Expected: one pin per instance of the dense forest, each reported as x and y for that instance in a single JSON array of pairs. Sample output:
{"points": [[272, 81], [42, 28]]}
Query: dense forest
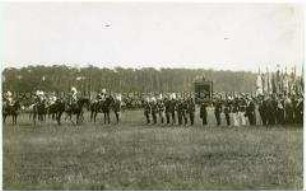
{"points": [[87, 79]]}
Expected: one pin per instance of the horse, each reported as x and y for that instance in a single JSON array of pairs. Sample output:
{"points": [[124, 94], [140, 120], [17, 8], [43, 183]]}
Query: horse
{"points": [[75, 109], [39, 111], [102, 106], [116, 107], [12, 110]]}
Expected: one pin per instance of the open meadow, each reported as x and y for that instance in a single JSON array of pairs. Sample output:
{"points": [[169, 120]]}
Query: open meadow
{"points": [[133, 155]]}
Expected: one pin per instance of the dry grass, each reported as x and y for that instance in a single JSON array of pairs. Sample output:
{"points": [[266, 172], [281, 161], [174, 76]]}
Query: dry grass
{"points": [[135, 156]]}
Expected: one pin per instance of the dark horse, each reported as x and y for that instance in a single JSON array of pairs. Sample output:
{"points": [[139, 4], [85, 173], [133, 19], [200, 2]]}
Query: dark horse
{"points": [[39, 111], [75, 109], [102, 106], [12, 110]]}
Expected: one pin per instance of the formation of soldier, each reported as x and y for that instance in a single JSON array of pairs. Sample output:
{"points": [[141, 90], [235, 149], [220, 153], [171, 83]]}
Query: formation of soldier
{"points": [[238, 110], [171, 109]]}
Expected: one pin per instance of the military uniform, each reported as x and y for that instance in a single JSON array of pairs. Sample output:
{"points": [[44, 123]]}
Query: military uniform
{"points": [[161, 110], [147, 111], [250, 112], [235, 111], [241, 111], [172, 109], [191, 111], [218, 110], [154, 110], [203, 112], [227, 111]]}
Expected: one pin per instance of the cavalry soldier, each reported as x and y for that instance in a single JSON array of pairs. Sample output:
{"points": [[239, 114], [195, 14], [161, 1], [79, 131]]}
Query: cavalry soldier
{"points": [[161, 108], [154, 109], [191, 110], [101, 96], [8, 98], [74, 95], [40, 96], [203, 111], [147, 110], [52, 98]]}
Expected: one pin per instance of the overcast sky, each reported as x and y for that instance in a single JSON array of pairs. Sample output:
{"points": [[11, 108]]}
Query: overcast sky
{"points": [[189, 35]]}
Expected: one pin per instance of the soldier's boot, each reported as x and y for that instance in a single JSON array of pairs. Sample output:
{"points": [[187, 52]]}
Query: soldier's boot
{"points": [[192, 119], [227, 119], [154, 118]]}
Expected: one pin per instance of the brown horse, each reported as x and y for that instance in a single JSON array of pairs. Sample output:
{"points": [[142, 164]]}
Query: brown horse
{"points": [[11, 110]]}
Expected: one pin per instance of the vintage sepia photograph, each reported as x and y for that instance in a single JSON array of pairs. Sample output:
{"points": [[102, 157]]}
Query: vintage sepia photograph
{"points": [[152, 95]]}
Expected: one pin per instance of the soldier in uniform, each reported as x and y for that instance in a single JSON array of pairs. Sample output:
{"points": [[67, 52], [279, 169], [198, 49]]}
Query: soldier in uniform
{"points": [[180, 110], [172, 108], [235, 111], [299, 110], [161, 109], [242, 110], [203, 111], [280, 110], [191, 110], [262, 109], [154, 109], [218, 109], [250, 111], [8, 98], [227, 110], [167, 109], [147, 110]]}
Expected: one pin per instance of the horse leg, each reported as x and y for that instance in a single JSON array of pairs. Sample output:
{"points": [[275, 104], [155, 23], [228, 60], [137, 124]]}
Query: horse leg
{"points": [[34, 118], [108, 118], [58, 119], [117, 116], [4, 117], [16, 116], [104, 117], [95, 116]]}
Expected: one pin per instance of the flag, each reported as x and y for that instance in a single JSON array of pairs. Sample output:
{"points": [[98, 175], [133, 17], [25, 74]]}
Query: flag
{"points": [[259, 84], [274, 83], [286, 82], [277, 80]]}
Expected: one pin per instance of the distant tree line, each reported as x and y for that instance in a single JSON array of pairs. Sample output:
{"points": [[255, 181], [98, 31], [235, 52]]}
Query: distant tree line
{"points": [[60, 78]]}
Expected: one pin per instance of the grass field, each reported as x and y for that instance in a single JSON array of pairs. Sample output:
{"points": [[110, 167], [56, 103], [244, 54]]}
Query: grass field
{"points": [[135, 156]]}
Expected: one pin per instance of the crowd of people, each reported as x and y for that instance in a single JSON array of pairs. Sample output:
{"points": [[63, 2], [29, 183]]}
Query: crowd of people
{"points": [[171, 109]]}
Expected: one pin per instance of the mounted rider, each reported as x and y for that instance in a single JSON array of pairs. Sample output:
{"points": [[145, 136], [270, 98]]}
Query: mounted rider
{"points": [[52, 98], [73, 97], [8, 98], [40, 96], [102, 96]]}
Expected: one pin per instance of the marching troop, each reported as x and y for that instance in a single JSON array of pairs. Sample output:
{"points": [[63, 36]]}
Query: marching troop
{"points": [[171, 109]]}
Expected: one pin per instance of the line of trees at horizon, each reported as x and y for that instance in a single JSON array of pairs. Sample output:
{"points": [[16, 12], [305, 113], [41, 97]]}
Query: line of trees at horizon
{"points": [[59, 78]]}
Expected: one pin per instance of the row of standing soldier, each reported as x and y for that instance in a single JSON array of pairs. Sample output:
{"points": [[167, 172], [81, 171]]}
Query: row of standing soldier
{"points": [[240, 110], [168, 109]]}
